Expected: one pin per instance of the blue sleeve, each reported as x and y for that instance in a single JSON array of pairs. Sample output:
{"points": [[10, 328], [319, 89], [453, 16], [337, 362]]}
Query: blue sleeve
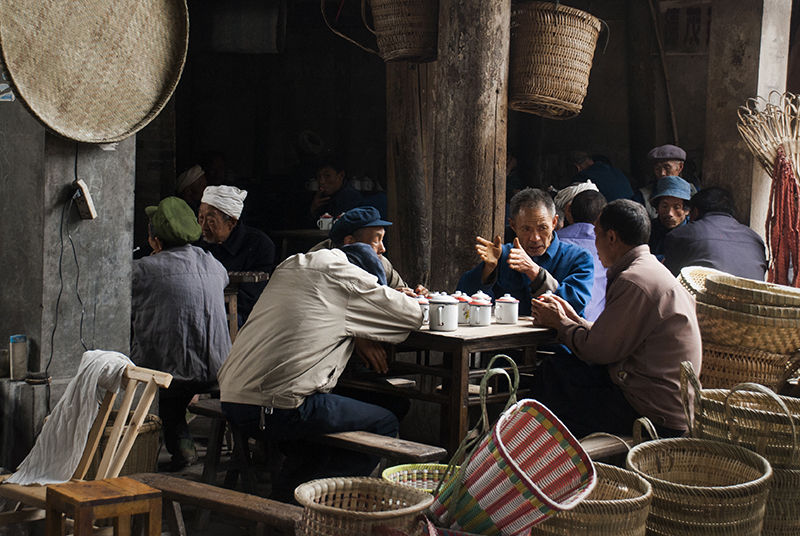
{"points": [[576, 288]]}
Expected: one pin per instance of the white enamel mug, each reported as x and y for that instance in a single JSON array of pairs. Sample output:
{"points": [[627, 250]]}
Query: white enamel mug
{"points": [[325, 222], [463, 307], [424, 304], [444, 313], [506, 310], [480, 313]]}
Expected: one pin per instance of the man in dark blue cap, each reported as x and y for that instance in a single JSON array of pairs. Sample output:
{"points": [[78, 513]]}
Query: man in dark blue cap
{"points": [[671, 202], [364, 225]]}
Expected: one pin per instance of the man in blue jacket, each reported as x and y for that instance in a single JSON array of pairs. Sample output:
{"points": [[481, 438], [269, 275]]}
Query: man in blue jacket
{"points": [[536, 262]]}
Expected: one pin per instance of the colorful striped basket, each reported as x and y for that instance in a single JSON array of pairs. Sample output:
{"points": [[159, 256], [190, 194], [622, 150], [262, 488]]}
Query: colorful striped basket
{"points": [[529, 467]]}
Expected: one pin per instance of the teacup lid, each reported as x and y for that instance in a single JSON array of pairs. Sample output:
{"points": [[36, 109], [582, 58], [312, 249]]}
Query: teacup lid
{"points": [[507, 298], [422, 300], [443, 298], [481, 295], [326, 215], [458, 295], [481, 303]]}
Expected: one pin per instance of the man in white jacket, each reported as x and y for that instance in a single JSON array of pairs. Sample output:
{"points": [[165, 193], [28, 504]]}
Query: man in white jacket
{"points": [[276, 382]]}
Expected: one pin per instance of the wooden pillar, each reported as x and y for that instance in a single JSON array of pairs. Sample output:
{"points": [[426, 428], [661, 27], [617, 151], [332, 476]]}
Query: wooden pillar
{"points": [[748, 57], [468, 194], [409, 142]]}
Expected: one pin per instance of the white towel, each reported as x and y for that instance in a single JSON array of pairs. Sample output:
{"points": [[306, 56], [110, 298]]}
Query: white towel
{"points": [[58, 449]]}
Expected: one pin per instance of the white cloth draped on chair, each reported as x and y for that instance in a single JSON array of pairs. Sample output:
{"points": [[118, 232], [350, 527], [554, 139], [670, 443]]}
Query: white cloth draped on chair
{"points": [[59, 447]]}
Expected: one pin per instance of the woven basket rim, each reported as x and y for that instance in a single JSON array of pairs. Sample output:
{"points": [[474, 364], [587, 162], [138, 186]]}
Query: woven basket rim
{"points": [[583, 16], [730, 285], [690, 275], [714, 312], [755, 309], [35, 95], [303, 494], [744, 351], [609, 471], [757, 461]]}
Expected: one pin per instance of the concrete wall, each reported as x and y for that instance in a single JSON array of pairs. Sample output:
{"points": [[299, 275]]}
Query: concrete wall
{"points": [[36, 170]]}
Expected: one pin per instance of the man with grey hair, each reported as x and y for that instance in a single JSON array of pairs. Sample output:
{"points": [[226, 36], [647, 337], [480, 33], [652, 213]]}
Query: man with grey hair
{"points": [[239, 248], [536, 262]]}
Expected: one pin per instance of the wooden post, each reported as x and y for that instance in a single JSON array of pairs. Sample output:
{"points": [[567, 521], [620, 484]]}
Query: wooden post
{"points": [[470, 121], [409, 140]]}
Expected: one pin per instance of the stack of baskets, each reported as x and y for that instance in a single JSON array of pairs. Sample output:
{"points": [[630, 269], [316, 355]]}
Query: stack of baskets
{"points": [[753, 417], [750, 328]]}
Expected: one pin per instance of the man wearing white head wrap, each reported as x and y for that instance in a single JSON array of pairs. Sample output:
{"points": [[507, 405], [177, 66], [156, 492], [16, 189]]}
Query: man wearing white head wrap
{"points": [[190, 186], [239, 248], [565, 196]]}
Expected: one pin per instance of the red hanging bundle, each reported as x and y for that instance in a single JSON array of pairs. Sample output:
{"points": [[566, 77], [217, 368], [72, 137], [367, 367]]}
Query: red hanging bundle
{"points": [[783, 224]]}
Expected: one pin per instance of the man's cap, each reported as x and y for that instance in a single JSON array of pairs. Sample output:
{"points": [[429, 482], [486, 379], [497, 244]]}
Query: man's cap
{"points": [[355, 219], [174, 221], [188, 177], [363, 256], [667, 152], [671, 187]]}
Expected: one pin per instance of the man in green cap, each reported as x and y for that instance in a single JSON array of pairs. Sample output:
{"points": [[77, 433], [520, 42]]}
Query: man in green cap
{"points": [[178, 323]]}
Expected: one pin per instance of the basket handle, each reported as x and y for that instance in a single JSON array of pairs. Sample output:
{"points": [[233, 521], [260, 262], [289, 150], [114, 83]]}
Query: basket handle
{"points": [[359, 45], [749, 386], [688, 377], [643, 423], [364, 16]]}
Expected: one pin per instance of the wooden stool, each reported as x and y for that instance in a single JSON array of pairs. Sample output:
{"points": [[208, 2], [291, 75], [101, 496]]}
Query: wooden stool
{"points": [[117, 498]]}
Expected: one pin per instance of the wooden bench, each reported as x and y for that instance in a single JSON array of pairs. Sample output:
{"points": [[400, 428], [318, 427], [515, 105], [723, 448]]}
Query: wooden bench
{"points": [[391, 448], [601, 447], [175, 492]]}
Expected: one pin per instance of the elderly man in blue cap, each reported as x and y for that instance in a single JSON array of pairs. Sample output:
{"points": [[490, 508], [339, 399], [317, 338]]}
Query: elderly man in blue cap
{"points": [[364, 225], [671, 202]]}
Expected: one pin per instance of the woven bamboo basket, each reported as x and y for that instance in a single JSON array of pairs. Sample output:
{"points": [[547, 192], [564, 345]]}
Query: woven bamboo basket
{"points": [[94, 71], [693, 278], [733, 328], [703, 487], [618, 506], [739, 289], [407, 30], [143, 457], [748, 308], [421, 476], [551, 53], [727, 366], [755, 420], [354, 506]]}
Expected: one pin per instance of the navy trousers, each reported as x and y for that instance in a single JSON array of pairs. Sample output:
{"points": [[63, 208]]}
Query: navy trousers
{"points": [[319, 414]]}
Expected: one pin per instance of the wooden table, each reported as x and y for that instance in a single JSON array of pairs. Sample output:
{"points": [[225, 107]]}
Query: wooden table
{"points": [[307, 238], [232, 293], [454, 373]]}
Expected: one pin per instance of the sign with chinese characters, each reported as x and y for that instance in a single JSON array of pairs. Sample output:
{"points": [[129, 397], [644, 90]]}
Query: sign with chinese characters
{"points": [[685, 26]]}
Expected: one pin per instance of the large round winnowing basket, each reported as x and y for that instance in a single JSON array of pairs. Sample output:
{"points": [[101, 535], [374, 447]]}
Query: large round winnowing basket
{"points": [[703, 487], [94, 71], [551, 53], [618, 506], [354, 506]]}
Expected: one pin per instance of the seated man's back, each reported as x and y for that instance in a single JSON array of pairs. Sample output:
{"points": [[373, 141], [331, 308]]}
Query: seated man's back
{"points": [[714, 239]]}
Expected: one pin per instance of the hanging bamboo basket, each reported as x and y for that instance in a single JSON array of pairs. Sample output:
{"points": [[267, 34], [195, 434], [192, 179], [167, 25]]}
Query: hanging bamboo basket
{"points": [[406, 30], [551, 53]]}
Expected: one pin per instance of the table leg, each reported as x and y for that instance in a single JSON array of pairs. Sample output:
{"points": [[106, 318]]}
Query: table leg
{"points": [[455, 417]]}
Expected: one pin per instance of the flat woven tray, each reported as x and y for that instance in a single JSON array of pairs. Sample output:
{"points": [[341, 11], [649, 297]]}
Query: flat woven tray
{"points": [[94, 71], [743, 290], [693, 278], [732, 328], [749, 308]]}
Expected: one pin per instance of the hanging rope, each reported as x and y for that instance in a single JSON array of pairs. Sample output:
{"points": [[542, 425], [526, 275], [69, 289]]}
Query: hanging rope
{"points": [[783, 223]]}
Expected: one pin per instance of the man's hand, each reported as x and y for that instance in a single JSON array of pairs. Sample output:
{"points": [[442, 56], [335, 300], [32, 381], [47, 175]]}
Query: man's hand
{"points": [[372, 354], [490, 253], [519, 260], [550, 311], [407, 291], [319, 200], [420, 290]]}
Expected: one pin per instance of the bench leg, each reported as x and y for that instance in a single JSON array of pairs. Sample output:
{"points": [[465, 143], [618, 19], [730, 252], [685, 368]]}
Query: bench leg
{"points": [[174, 515]]}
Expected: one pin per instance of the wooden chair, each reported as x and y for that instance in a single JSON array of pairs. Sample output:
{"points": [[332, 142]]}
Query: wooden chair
{"points": [[32, 499]]}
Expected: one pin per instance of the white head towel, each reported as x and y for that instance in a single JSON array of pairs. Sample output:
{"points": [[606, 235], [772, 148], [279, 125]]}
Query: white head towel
{"points": [[566, 195], [228, 199], [188, 177]]}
